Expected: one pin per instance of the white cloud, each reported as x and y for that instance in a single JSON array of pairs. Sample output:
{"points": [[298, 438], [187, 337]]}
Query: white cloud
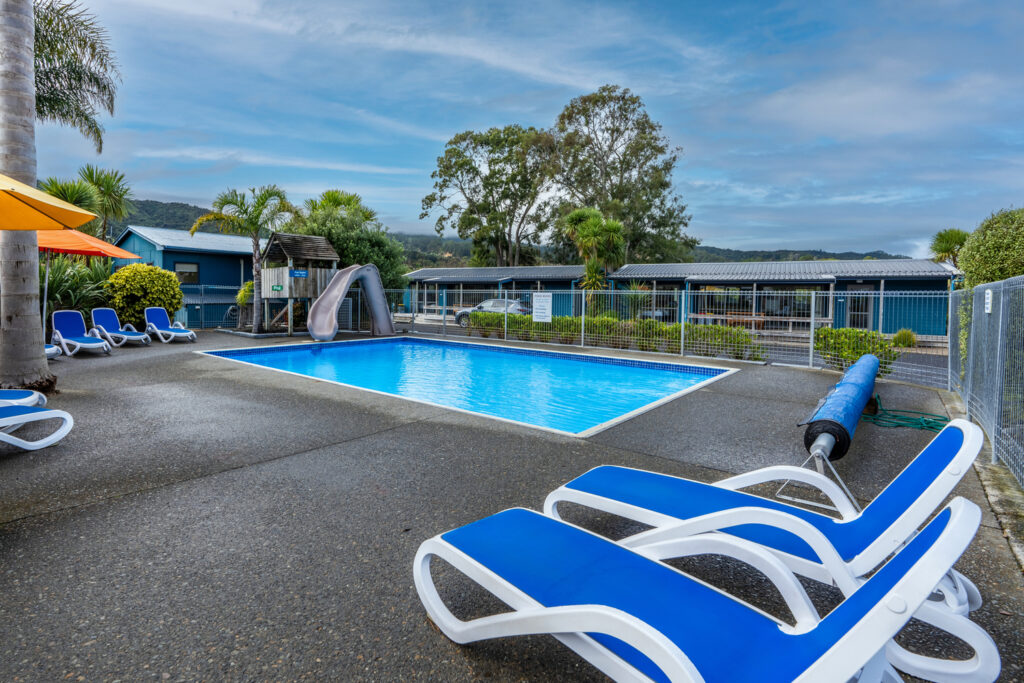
{"points": [[240, 156]]}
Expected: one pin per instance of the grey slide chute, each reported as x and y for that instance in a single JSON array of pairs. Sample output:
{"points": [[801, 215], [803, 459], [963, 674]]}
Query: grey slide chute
{"points": [[322, 322]]}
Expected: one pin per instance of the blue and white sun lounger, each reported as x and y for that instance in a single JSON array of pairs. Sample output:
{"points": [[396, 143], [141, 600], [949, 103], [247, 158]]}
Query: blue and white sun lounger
{"points": [[70, 335], [678, 507], [158, 323], [638, 619], [106, 325], [13, 417], [51, 351], [21, 397]]}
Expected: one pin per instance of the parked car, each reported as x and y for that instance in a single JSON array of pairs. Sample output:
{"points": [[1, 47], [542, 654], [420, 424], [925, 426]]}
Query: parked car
{"points": [[492, 306]]}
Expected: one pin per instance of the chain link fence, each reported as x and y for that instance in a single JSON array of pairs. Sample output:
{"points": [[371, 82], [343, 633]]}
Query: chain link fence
{"points": [[986, 364]]}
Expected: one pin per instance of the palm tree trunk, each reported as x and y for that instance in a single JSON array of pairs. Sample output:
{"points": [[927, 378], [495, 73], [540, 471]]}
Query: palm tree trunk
{"points": [[257, 280], [22, 362]]}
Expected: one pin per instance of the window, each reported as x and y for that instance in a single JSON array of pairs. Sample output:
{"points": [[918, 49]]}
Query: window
{"points": [[188, 273]]}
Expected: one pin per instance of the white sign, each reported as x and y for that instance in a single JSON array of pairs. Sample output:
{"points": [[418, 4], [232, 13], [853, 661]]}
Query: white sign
{"points": [[988, 300], [542, 307]]}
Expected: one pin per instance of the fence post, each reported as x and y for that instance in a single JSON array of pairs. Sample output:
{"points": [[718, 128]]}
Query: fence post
{"points": [[949, 341], [506, 315], [444, 312], [997, 413], [413, 305], [810, 346], [969, 367], [682, 323], [583, 318]]}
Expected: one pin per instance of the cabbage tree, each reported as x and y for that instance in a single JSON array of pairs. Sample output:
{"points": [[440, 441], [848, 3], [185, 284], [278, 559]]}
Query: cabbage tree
{"points": [[260, 212]]}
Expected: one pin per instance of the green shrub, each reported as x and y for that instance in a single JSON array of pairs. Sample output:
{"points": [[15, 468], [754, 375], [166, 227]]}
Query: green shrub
{"points": [[842, 347], [134, 288], [486, 324], [995, 250], [905, 339], [567, 329], [647, 334], [717, 340], [670, 337], [244, 296]]}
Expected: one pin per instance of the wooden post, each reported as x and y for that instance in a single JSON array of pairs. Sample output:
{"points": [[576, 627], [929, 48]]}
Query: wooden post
{"points": [[291, 301]]}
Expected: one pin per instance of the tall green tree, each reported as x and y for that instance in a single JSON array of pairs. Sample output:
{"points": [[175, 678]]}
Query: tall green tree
{"points": [[488, 186], [614, 157], [76, 75], [355, 232], [256, 214], [995, 250], [22, 362], [113, 193], [946, 245]]}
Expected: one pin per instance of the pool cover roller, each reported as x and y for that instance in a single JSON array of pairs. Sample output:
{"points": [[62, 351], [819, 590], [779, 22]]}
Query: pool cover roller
{"points": [[830, 429]]}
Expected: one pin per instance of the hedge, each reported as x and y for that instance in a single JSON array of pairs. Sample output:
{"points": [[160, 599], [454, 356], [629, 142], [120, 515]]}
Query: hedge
{"points": [[606, 330], [841, 347]]}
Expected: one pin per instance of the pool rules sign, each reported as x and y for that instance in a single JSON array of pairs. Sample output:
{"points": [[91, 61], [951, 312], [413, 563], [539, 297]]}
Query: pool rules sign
{"points": [[542, 307]]}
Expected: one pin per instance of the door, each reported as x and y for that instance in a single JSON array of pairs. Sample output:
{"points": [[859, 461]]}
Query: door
{"points": [[859, 307]]}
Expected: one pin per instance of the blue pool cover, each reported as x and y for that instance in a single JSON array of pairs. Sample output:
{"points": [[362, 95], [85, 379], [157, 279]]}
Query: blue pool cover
{"points": [[567, 392]]}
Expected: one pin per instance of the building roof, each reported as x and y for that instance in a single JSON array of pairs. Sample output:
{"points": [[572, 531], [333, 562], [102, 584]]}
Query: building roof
{"points": [[281, 246], [788, 271], [181, 240], [495, 275]]}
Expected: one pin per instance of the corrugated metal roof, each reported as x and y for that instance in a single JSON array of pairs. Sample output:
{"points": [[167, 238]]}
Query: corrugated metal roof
{"points": [[799, 271], [181, 240], [489, 275]]}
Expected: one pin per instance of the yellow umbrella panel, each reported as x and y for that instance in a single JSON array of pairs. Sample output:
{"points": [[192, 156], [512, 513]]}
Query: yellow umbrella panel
{"points": [[23, 207]]}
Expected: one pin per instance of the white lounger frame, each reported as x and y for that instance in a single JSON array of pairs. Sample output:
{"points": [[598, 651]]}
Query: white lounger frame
{"points": [[71, 347], [11, 423], [166, 336], [667, 527], [860, 654], [112, 337]]}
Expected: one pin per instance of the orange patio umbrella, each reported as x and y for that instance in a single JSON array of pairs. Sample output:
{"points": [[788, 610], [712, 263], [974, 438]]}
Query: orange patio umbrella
{"points": [[74, 242], [23, 207]]}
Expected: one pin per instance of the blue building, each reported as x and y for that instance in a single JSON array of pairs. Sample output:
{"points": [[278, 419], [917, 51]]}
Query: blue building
{"points": [[884, 295], [201, 259], [458, 287]]}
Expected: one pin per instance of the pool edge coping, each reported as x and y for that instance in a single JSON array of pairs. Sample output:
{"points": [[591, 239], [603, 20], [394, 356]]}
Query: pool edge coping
{"points": [[586, 433]]}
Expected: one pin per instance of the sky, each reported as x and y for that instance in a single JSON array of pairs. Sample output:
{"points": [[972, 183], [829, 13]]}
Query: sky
{"points": [[840, 126]]}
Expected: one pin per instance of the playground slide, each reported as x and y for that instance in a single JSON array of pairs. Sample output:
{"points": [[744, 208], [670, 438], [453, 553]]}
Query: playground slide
{"points": [[322, 322]]}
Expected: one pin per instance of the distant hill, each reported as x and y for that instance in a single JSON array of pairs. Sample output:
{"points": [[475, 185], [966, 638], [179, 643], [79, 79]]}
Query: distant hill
{"points": [[153, 214], [717, 255], [430, 251]]}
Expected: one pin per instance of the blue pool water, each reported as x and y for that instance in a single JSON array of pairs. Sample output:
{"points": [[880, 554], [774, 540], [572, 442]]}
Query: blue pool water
{"points": [[567, 392]]}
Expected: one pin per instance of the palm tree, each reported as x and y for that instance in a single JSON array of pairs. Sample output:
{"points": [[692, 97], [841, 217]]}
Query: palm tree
{"points": [[77, 192], [22, 362], [236, 213], [113, 193], [599, 241], [75, 71], [947, 243]]}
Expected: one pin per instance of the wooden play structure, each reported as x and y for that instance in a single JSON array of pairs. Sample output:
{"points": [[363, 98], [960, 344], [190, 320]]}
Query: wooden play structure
{"points": [[297, 268]]}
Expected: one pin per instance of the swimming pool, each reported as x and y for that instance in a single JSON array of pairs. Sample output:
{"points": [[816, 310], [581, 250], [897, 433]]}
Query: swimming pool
{"points": [[564, 392]]}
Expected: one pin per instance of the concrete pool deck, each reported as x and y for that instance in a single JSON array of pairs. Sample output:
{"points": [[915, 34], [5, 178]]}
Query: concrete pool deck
{"points": [[209, 520]]}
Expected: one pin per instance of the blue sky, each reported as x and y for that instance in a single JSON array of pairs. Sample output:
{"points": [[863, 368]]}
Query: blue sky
{"points": [[804, 125]]}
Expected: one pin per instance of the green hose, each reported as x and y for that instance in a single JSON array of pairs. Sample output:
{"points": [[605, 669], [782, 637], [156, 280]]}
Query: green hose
{"points": [[914, 419]]}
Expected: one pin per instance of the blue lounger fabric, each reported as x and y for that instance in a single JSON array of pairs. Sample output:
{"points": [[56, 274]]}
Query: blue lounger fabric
{"points": [[16, 394], [107, 318], [685, 499], [560, 565]]}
